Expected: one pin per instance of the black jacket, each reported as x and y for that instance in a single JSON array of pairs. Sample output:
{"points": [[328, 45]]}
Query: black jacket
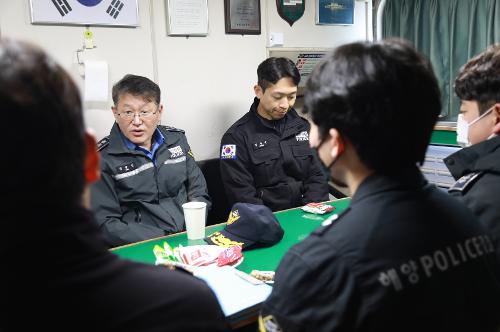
{"points": [[404, 256], [137, 199], [60, 276], [477, 169], [261, 164]]}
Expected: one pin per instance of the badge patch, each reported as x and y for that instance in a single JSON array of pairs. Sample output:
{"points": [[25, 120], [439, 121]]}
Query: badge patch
{"points": [[268, 324], [233, 216], [228, 151], [176, 152], [302, 136], [219, 239], [125, 168]]}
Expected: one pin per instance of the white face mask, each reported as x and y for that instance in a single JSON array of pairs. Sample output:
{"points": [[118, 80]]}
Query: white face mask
{"points": [[463, 128]]}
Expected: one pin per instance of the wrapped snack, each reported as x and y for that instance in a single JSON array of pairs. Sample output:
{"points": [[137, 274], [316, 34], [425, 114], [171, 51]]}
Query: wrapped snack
{"points": [[317, 208], [164, 253], [265, 276], [199, 255], [229, 256]]}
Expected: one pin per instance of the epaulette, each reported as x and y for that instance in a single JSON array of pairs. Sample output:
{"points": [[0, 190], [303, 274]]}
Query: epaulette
{"points": [[331, 220], [103, 143], [464, 183], [172, 129]]}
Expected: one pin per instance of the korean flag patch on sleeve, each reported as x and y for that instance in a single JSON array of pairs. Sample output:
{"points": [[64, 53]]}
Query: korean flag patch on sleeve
{"points": [[228, 151]]}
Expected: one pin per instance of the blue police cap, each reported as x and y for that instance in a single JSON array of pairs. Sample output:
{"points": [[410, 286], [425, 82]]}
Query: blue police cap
{"points": [[248, 225]]}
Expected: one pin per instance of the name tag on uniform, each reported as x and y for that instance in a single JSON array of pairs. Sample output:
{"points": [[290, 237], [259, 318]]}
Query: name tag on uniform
{"points": [[125, 168], [259, 145]]}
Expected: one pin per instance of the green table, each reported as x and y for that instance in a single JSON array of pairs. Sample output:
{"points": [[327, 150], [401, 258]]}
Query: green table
{"points": [[296, 223], [444, 135]]}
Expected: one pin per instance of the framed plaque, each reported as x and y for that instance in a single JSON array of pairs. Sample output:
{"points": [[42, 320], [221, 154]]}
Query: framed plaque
{"points": [[242, 17], [187, 17], [338, 12]]}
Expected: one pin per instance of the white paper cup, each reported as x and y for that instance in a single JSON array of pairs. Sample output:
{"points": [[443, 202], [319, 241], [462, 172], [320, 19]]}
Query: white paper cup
{"points": [[194, 216]]}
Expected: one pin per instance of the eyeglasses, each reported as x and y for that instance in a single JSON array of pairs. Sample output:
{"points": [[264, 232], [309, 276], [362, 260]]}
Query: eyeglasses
{"points": [[129, 115]]}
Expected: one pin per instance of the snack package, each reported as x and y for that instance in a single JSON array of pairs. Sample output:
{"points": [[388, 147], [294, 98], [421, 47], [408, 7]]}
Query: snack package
{"points": [[265, 276], [198, 255], [317, 208], [164, 253], [229, 256]]}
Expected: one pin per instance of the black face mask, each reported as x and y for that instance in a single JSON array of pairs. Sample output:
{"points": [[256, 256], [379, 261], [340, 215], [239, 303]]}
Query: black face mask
{"points": [[326, 169]]}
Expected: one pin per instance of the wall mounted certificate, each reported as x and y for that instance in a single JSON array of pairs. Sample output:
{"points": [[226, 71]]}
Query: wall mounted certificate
{"points": [[85, 12], [335, 12], [187, 17], [242, 17]]}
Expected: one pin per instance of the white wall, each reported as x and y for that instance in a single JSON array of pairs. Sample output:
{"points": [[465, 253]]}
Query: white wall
{"points": [[207, 82]]}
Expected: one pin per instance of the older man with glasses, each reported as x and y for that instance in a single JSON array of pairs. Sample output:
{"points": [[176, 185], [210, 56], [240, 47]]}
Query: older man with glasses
{"points": [[148, 170]]}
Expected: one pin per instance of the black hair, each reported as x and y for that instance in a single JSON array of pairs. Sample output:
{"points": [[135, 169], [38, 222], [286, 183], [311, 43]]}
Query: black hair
{"points": [[138, 86], [273, 69], [479, 79], [44, 135], [383, 97]]}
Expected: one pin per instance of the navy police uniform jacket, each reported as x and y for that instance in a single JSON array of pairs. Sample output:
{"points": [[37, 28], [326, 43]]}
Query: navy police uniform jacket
{"points": [[477, 171], [138, 199], [62, 277], [404, 256], [261, 164]]}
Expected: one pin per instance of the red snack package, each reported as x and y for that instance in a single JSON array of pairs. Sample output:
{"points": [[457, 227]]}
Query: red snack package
{"points": [[317, 208], [229, 256]]}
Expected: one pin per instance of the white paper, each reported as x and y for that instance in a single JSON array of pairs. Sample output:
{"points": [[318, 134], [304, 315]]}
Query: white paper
{"points": [[234, 294], [96, 81]]}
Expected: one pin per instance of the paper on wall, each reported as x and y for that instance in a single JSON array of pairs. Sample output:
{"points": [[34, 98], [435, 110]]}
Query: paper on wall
{"points": [[96, 81]]}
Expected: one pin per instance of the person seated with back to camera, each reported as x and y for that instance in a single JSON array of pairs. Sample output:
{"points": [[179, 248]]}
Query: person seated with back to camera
{"points": [[404, 256], [57, 271]]}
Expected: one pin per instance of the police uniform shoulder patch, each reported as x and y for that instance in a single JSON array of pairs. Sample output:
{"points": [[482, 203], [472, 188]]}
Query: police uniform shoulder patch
{"points": [[168, 128], [103, 143], [465, 182]]}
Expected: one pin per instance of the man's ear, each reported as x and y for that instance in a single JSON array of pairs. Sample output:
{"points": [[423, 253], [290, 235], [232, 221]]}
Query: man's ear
{"points": [[337, 142], [92, 159], [114, 110], [258, 91], [496, 114]]}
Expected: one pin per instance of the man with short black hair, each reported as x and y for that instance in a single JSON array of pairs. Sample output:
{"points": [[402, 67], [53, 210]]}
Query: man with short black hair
{"points": [[265, 155], [477, 167], [148, 170], [57, 272], [404, 256]]}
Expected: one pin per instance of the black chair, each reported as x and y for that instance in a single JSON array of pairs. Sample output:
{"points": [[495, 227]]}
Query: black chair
{"points": [[220, 206]]}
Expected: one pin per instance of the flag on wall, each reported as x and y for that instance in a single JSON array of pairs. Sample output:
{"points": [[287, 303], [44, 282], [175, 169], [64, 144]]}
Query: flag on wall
{"points": [[85, 12]]}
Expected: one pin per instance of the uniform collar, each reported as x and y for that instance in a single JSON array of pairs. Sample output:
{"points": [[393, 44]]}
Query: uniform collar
{"points": [[482, 156], [118, 143], [407, 179], [158, 140]]}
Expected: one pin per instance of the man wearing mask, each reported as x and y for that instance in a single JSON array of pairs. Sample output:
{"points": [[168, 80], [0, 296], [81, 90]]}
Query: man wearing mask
{"points": [[265, 155], [404, 256], [477, 167]]}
